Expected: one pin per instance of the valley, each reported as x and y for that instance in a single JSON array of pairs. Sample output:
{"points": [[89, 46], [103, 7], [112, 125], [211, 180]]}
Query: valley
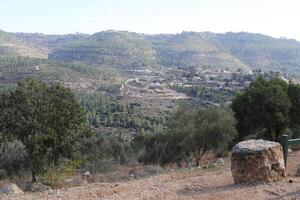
{"points": [[147, 103]]}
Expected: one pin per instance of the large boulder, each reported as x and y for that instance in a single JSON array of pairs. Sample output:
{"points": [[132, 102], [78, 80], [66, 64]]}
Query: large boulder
{"points": [[10, 188], [257, 161]]}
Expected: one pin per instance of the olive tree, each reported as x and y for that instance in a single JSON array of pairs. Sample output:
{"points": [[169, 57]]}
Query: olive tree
{"points": [[46, 119]]}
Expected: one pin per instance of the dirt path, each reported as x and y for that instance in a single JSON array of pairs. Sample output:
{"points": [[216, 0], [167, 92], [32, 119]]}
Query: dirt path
{"points": [[187, 184]]}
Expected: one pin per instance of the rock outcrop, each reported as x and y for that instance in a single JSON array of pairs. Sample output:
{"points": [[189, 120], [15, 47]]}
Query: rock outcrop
{"points": [[257, 161]]}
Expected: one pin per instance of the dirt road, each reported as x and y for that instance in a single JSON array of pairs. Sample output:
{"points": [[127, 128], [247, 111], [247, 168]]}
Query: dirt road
{"points": [[208, 184]]}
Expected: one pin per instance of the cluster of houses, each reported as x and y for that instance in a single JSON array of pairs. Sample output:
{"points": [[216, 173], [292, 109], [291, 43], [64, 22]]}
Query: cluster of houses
{"points": [[218, 82]]}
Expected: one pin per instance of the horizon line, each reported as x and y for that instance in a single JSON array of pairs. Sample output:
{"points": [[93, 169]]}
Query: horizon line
{"points": [[142, 33]]}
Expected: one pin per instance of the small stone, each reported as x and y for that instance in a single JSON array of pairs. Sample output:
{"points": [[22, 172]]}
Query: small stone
{"points": [[291, 181], [86, 175], [220, 161]]}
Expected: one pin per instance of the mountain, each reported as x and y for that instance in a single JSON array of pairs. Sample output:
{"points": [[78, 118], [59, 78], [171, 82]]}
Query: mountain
{"points": [[263, 52], [25, 55], [110, 48], [10, 45], [193, 49], [127, 50], [49, 42], [131, 50], [220, 51]]}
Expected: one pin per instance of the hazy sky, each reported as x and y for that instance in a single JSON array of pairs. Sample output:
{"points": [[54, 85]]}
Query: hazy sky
{"points": [[272, 17]]}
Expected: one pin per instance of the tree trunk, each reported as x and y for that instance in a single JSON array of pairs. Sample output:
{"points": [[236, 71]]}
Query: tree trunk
{"points": [[33, 176], [199, 157]]}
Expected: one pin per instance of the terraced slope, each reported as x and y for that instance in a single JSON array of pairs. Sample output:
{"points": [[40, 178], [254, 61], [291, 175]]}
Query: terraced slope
{"points": [[262, 52], [74, 76], [193, 49], [132, 50]]}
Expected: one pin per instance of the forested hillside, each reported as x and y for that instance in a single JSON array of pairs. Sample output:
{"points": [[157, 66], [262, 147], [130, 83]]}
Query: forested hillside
{"points": [[49, 41], [132, 50], [75, 76], [127, 50], [263, 52], [115, 49], [193, 49], [12, 46]]}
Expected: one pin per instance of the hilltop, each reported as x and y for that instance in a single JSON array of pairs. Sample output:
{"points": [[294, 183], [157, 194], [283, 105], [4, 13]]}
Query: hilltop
{"points": [[123, 49]]}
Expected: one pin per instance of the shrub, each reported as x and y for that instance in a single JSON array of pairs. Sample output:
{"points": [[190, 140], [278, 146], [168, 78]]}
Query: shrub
{"points": [[12, 157], [101, 165], [55, 176], [190, 135]]}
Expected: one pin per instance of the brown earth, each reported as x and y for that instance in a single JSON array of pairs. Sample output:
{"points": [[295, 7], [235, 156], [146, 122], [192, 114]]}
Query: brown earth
{"points": [[207, 184]]}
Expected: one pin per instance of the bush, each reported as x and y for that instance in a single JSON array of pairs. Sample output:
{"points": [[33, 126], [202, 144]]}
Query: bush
{"points": [[55, 176], [13, 157], [190, 135], [3, 174], [101, 165]]}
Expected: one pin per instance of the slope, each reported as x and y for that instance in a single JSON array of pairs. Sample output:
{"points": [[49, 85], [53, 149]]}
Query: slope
{"points": [[12, 46], [126, 50], [74, 76], [193, 49], [109, 48], [262, 52]]}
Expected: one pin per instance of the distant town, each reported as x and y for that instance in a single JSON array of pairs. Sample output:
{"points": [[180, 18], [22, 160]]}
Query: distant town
{"points": [[205, 86]]}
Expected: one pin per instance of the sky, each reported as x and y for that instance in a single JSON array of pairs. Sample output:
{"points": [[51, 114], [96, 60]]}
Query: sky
{"points": [[277, 18]]}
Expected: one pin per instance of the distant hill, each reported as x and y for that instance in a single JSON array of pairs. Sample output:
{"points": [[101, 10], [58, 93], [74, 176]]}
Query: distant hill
{"points": [[193, 49], [132, 50], [49, 42], [10, 45], [263, 52], [110, 48], [74, 76]]}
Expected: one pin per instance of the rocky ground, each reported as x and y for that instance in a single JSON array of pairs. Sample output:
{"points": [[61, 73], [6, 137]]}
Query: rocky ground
{"points": [[214, 183]]}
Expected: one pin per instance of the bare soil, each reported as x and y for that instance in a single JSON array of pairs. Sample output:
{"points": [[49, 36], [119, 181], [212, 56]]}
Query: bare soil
{"points": [[207, 184]]}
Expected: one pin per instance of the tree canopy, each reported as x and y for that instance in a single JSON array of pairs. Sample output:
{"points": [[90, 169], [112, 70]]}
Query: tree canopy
{"points": [[190, 135], [46, 119], [267, 108]]}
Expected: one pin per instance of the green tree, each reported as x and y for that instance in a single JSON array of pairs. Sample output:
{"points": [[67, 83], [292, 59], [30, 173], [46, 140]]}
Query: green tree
{"points": [[46, 119], [214, 130], [190, 135], [294, 96], [263, 109]]}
